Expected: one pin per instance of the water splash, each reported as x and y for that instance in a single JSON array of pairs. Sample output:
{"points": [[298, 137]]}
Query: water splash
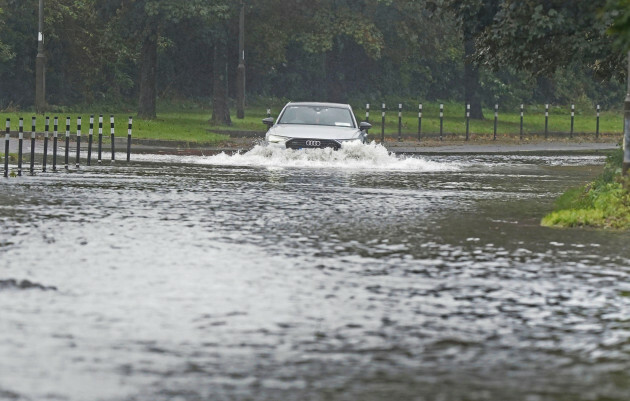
{"points": [[358, 156]]}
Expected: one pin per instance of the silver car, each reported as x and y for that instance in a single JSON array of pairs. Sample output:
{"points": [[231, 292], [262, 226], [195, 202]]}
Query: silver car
{"points": [[315, 125]]}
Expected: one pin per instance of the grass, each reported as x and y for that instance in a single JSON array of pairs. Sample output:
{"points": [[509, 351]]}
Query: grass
{"points": [[508, 122], [191, 123], [12, 157], [604, 203], [180, 126]]}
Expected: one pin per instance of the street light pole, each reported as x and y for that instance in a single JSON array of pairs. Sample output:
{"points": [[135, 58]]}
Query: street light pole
{"points": [[626, 126], [40, 65], [240, 73]]}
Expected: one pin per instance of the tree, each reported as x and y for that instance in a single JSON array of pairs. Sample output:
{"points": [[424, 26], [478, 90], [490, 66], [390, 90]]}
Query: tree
{"points": [[147, 103], [5, 51], [220, 106], [73, 46], [111, 51], [156, 16], [619, 12], [328, 27], [474, 16], [425, 49], [325, 29], [542, 36]]}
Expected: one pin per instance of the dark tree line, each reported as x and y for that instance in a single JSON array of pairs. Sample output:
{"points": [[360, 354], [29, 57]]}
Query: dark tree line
{"points": [[478, 51]]}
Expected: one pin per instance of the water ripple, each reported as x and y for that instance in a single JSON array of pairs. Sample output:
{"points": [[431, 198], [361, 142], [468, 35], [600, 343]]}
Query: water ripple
{"points": [[227, 278]]}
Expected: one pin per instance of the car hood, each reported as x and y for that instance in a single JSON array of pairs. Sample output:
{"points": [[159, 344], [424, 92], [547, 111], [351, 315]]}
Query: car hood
{"points": [[314, 131]]}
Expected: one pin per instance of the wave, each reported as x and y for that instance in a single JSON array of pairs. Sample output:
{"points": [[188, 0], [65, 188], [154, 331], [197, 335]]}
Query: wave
{"points": [[371, 156]]}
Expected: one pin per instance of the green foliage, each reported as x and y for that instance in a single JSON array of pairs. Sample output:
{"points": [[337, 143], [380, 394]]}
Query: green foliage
{"points": [[542, 36], [612, 169], [573, 198], [321, 49], [619, 11], [5, 51], [608, 206], [603, 203]]}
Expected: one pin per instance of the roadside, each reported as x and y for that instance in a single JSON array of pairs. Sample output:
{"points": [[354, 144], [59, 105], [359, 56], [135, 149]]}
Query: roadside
{"points": [[188, 126], [497, 148], [242, 143], [602, 203]]}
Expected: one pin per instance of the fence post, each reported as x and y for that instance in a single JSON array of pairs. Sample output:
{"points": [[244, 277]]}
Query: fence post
{"points": [[597, 124], [46, 129], [546, 120], [111, 122], [441, 121], [399, 122], [7, 138], [419, 121], [32, 161], [67, 151], [496, 120], [55, 135], [90, 139], [129, 138], [78, 161], [521, 132], [367, 116], [20, 140], [100, 139], [572, 119], [467, 120], [383, 123]]}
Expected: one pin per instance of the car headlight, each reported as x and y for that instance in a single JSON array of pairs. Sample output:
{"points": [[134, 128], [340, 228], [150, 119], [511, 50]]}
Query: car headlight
{"points": [[276, 138]]}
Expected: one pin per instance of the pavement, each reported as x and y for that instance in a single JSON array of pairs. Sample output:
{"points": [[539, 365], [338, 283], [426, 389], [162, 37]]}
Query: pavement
{"points": [[240, 144], [501, 148]]}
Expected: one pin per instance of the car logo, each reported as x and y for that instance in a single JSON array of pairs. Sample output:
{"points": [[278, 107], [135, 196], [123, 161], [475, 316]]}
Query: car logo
{"points": [[313, 143]]}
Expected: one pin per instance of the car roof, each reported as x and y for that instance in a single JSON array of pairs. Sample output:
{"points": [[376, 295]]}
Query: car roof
{"points": [[319, 104]]}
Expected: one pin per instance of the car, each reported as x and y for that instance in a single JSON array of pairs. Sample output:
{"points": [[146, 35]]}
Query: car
{"points": [[305, 125]]}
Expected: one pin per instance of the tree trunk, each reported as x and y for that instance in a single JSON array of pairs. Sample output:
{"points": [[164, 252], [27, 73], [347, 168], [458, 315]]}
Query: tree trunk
{"points": [[220, 107], [148, 75], [335, 80], [472, 87]]}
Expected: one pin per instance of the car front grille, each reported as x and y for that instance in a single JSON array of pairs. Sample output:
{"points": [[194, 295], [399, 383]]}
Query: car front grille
{"points": [[299, 143]]}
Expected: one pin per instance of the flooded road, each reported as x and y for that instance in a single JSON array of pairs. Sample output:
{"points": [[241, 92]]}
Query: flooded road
{"points": [[309, 276]]}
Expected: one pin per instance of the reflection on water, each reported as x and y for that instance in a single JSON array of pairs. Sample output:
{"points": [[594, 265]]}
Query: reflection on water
{"points": [[366, 277]]}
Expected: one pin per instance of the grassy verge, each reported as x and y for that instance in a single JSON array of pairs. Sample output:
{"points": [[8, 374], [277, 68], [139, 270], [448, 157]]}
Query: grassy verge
{"points": [[180, 126], [508, 123], [12, 157], [604, 203], [611, 122], [189, 122]]}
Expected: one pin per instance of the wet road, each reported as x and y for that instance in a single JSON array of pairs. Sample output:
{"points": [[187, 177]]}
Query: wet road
{"points": [[309, 276]]}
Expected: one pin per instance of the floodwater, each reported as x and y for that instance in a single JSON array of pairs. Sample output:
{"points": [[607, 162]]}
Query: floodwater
{"points": [[309, 276]]}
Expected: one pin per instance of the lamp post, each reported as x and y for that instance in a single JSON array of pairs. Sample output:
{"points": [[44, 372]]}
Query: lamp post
{"points": [[40, 65], [240, 73], [626, 127]]}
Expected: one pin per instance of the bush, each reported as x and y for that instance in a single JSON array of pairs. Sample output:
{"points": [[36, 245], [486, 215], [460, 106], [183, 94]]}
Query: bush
{"points": [[602, 203]]}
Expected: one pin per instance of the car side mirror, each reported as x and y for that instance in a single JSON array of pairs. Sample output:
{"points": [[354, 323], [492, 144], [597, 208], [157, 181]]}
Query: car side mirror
{"points": [[268, 121], [365, 126]]}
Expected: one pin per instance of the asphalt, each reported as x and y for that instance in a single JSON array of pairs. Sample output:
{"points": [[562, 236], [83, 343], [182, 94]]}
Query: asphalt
{"points": [[406, 147], [501, 148]]}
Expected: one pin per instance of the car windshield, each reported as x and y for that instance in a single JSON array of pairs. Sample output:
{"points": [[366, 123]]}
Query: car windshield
{"points": [[317, 115]]}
